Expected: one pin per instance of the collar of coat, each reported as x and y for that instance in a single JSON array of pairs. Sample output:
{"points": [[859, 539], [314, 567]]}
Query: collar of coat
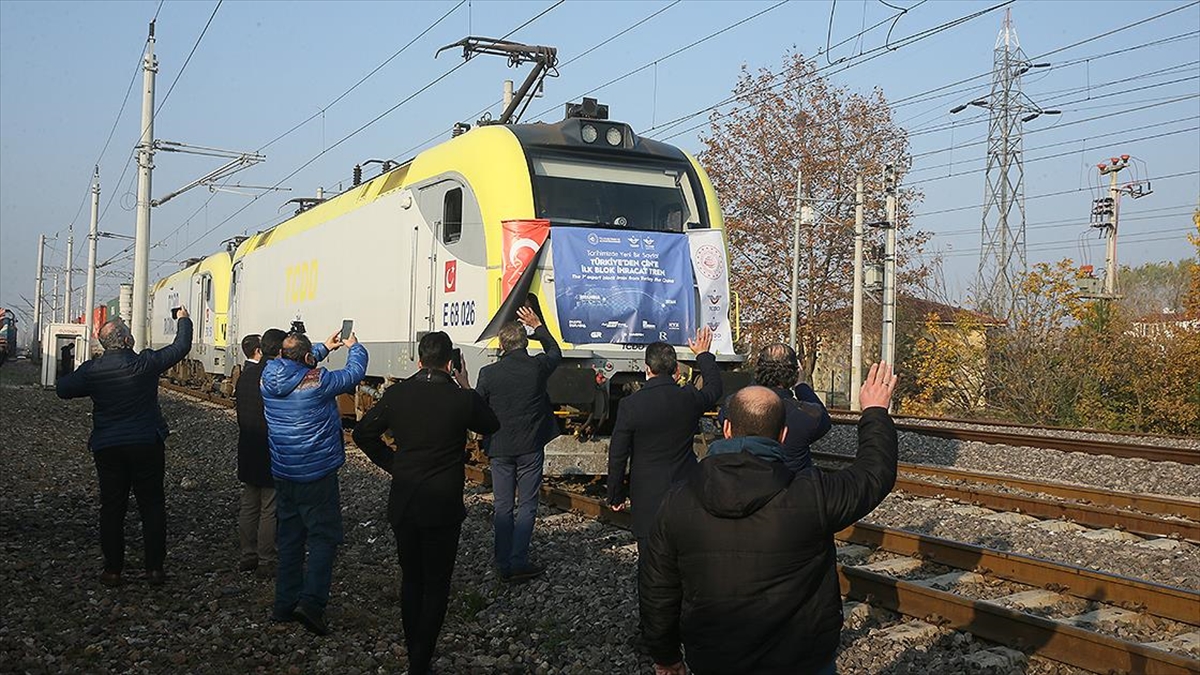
{"points": [[432, 375], [660, 380]]}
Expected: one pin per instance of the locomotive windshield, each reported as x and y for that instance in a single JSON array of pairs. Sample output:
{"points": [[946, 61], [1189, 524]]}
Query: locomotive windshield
{"points": [[631, 196]]}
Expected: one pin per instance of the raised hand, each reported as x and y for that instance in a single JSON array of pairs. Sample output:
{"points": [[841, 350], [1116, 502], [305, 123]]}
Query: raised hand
{"points": [[528, 317], [879, 387], [334, 341], [350, 341], [702, 342]]}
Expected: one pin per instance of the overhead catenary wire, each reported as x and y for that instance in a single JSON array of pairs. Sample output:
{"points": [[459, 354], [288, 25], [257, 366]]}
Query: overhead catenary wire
{"points": [[365, 126]]}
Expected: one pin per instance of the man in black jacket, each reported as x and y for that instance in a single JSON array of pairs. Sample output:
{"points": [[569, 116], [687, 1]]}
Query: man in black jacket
{"points": [[741, 567], [128, 431], [428, 416], [807, 420], [515, 388], [256, 512], [654, 431]]}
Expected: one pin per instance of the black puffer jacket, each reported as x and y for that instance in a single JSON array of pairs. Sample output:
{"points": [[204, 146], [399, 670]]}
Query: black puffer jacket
{"points": [[254, 455], [124, 390], [741, 565]]}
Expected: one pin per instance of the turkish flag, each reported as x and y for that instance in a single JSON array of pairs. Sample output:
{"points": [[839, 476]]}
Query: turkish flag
{"points": [[450, 278], [521, 242]]}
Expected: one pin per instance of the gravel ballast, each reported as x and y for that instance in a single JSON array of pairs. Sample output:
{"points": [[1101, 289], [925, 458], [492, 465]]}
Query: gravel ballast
{"points": [[1102, 471], [209, 618]]}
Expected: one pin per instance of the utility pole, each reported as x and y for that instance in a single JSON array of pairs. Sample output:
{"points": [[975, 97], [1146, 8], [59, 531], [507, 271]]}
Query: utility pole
{"points": [[796, 259], [856, 339], [1002, 257], [1106, 212], [90, 294], [141, 250], [70, 274], [37, 297], [888, 341], [54, 306]]}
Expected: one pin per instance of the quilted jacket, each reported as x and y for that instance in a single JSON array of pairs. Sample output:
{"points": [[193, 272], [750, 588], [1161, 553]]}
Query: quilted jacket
{"points": [[304, 428]]}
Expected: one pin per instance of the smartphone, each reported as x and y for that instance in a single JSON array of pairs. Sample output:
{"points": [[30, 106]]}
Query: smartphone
{"points": [[456, 360], [347, 328], [175, 312]]}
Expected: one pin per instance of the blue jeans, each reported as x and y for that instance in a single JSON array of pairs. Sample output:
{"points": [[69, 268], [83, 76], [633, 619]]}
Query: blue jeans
{"points": [[519, 477], [309, 515]]}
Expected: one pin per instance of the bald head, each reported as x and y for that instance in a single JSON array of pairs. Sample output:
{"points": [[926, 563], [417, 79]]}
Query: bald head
{"points": [[754, 411], [115, 334], [297, 347]]}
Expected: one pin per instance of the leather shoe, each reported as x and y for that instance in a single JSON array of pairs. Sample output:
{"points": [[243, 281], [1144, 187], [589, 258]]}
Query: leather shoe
{"points": [[248, 565], [531, 571], [312, 619], [156, 577], [110, 579]]}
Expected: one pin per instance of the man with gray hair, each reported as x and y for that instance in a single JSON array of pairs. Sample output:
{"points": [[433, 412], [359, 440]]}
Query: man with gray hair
{"points": [[128, 431], [515, 388]]}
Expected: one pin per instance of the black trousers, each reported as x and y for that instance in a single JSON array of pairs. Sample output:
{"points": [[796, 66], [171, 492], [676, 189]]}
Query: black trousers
{"points": [[427, 562], [138, 468]]}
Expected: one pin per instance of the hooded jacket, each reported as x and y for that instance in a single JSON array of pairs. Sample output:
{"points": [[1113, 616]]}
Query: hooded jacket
{"points": [[124, 390], [304, 428], [741, 566]]}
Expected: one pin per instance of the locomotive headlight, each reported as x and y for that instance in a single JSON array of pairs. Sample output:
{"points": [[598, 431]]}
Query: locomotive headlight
{"points": [[589, 133], [613, 136]]}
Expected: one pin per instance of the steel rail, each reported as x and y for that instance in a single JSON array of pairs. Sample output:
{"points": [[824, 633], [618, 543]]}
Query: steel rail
{"points": [[1168, 602], [1048, 638], [1052, 639], [916, 419], [1149, 449]]}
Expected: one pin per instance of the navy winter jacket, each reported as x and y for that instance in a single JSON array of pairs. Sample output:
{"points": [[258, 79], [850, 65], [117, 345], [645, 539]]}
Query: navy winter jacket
{"points": [[124, 390], [304, 429]]}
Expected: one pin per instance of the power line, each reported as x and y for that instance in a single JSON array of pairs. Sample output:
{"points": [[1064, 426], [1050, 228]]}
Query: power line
{"points": [[186, 61], [1065, 222], [364, 78], [445, 130], [664, 127], [1052, 156], [366, 125], [1052, 194]]}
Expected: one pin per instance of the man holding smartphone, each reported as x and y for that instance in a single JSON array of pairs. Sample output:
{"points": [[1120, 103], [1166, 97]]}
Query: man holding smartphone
{"points": [[515, 387], [127, 441]]}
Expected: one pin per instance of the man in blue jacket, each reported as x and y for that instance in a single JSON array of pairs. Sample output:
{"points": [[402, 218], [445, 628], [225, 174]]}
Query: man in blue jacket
{"points": [[128, 431], [304, 432]]}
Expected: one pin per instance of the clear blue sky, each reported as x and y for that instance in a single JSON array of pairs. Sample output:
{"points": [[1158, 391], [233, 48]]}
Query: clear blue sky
{"points": [[264, 67]]}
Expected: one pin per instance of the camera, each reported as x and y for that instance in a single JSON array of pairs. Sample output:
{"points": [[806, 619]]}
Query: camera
{"points": [[298, 327]]}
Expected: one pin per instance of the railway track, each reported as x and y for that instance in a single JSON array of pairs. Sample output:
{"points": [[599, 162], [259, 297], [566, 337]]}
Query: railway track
{"points": [[1152, 447], [927, 578], [1148, 515], [1075, 640]]}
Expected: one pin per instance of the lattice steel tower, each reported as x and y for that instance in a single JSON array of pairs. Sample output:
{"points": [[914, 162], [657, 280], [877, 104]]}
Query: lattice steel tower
{"points": [[1002, 258]]}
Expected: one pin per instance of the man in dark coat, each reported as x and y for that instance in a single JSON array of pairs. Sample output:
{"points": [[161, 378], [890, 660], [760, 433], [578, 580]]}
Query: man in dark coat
{"points": [[741, 566], [515, 388], [428, 416], [256, 512], [778, 369], [655, 428], [128, 432]]}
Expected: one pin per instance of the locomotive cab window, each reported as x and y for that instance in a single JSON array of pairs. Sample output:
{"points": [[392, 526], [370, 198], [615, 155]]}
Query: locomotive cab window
{"points": [[576, 191], [452, 216]]}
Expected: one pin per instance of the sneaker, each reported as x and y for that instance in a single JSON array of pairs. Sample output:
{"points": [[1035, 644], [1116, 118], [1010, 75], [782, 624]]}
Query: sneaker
{"points": [[530, 571], [312, 619]]}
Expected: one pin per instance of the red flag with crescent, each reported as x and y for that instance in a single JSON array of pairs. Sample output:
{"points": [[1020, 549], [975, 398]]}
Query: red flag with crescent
{"points": [[521, 241]]}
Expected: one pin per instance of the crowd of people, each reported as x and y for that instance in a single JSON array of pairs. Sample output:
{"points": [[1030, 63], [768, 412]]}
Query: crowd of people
{"points": [[736, 566]]}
